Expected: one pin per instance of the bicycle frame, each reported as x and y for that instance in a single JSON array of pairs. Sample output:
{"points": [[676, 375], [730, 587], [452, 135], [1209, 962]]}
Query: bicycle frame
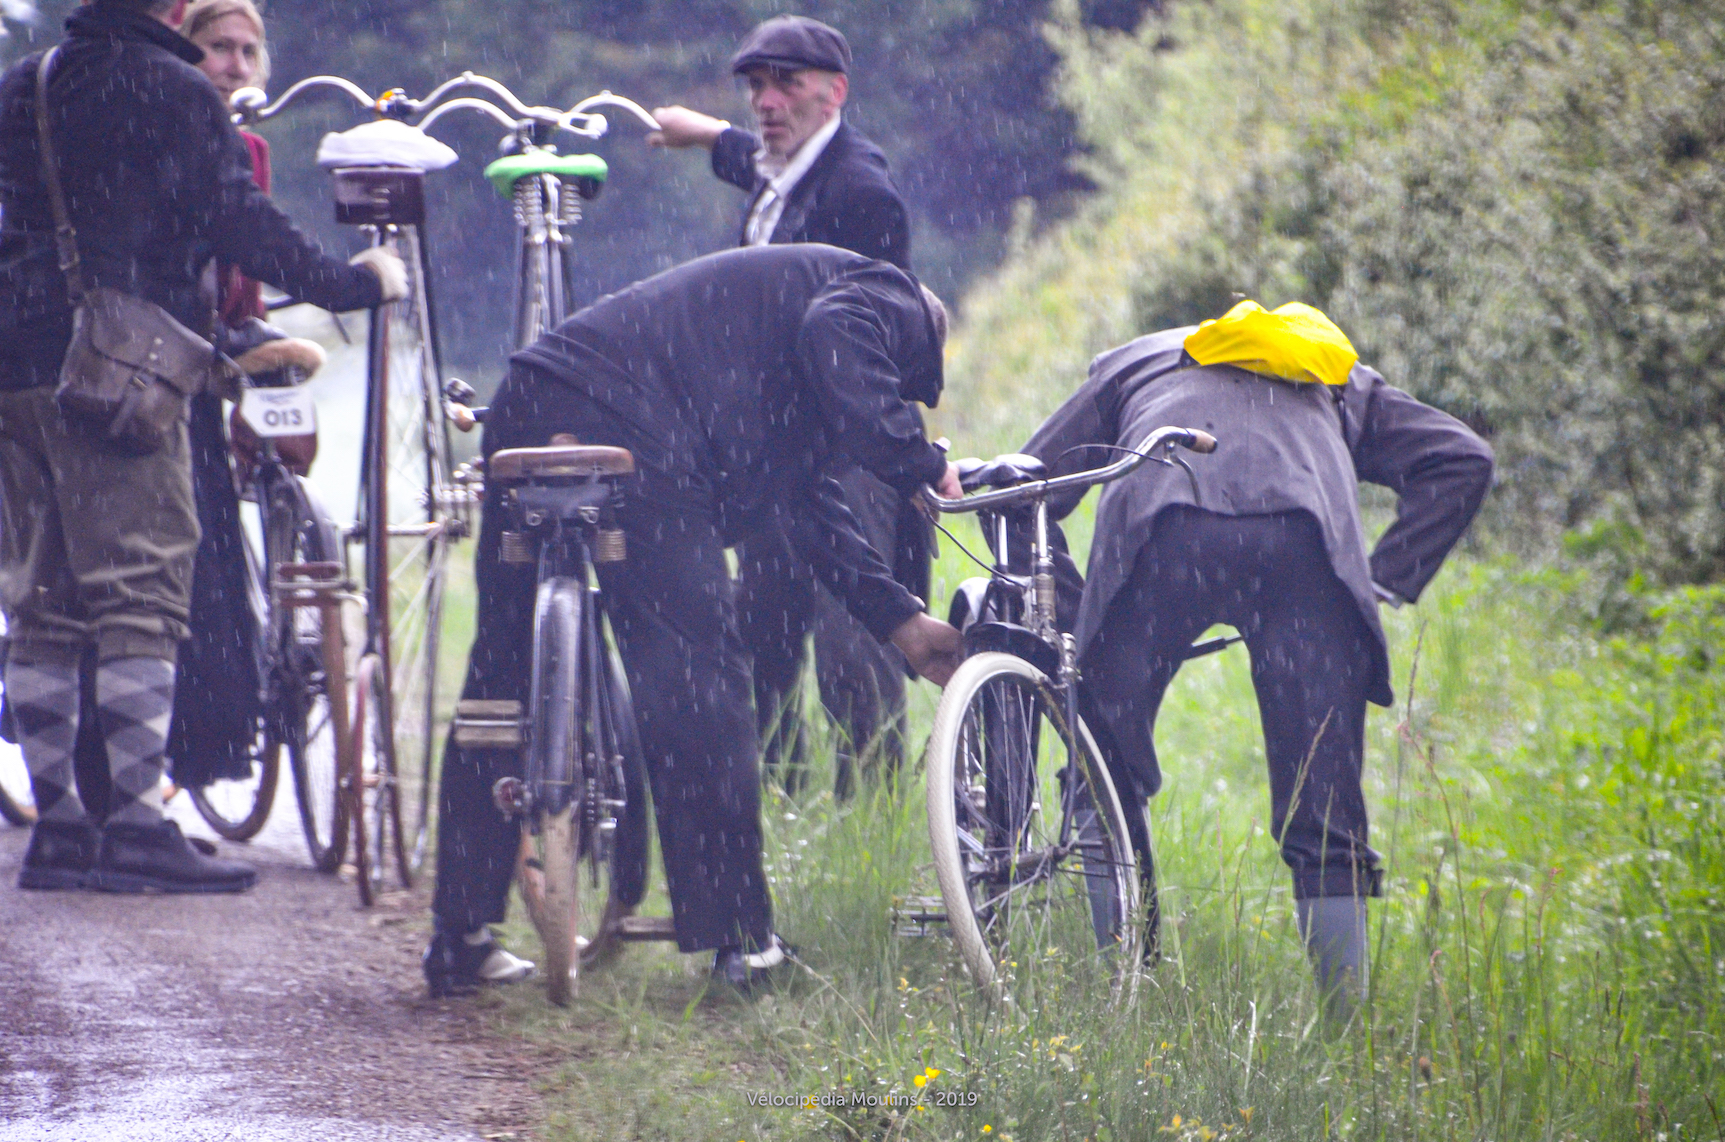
{"points": [[573, 528], [1037, 594]]}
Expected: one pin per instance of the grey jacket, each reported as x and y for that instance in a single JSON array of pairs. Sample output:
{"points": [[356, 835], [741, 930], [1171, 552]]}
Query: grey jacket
{"points": [[1283, 447]]}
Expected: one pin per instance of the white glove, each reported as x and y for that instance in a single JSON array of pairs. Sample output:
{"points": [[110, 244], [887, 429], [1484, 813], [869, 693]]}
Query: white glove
{"points": [[387, 265]]}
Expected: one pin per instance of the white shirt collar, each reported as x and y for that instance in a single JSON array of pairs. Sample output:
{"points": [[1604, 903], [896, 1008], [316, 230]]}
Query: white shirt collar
{"points": [[770, 203]]}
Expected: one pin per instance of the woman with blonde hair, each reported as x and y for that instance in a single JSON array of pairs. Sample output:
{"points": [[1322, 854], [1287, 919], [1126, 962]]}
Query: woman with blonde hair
{"points": [[236, 55]]}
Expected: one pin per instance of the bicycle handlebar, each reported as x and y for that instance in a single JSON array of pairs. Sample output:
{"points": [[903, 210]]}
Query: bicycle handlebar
{"points": [[251, 105], [469, 103], [1169, 437]]}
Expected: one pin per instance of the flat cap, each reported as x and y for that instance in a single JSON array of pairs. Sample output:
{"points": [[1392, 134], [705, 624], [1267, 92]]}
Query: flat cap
{"points": [[793, 42]]}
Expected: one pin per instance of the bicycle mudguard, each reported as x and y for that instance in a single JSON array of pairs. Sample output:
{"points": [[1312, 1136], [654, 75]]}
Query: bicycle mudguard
{"points": [[586, 171], [1014, 640]]}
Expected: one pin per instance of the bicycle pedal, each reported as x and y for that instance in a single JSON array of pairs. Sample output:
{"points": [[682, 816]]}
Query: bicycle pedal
{"points": [[643, 928], [489, 723], [915, 915]]}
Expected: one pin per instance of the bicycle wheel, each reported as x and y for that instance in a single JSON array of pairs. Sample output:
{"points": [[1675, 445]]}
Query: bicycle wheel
{"points": [[296, 530], [554, 759], [1030, 844], [17, 803], [371, 801], [237, 808], [618, 852], [411, 516]]}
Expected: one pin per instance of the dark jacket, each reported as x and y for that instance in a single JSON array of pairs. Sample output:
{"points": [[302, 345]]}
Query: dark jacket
{"points": [[157, 180], [743, 378], [1283, 447], [845, 199]]}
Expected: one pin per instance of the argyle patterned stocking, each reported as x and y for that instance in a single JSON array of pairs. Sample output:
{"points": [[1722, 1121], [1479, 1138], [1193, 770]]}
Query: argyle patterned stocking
{"points": [[134, 701], [44, 701]]}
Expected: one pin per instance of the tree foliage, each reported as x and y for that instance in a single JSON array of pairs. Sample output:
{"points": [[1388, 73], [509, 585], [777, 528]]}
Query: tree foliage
{"points": [[1509, 207]]}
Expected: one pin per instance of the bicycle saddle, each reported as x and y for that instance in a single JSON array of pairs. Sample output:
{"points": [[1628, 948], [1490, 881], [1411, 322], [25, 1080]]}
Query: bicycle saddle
{"points": [[586, 171], [564, 460], [1005, 471]]}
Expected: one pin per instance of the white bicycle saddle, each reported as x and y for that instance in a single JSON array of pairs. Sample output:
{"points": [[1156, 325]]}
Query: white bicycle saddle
{"points": [[384, 143]]}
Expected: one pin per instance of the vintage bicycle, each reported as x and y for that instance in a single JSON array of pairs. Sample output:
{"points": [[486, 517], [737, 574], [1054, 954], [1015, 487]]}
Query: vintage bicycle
{"points": [[413, 504], [1033, 848], [290, 526], [582, 804]]}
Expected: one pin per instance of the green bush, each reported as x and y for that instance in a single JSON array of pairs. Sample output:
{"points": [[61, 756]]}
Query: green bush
{"points": [[1510, 209]]}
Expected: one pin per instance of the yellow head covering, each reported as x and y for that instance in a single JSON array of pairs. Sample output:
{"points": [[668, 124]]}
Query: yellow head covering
{"points": [[1295, 343]]}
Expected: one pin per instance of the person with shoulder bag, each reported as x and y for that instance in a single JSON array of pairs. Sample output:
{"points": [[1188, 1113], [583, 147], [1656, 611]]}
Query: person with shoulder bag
{"points": [[121, 177]]}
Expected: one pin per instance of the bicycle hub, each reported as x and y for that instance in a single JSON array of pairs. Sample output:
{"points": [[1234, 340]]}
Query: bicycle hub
{"points": [[512, 796]]}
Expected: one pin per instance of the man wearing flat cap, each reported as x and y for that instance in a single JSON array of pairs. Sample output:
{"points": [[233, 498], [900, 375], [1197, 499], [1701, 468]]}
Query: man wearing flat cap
{"points": [[813, 178]]}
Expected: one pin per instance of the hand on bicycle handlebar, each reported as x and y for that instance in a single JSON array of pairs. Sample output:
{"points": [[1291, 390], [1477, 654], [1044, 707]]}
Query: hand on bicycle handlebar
{"points": [[949, 487], [681, 127], [934, 649], [387, 265]]}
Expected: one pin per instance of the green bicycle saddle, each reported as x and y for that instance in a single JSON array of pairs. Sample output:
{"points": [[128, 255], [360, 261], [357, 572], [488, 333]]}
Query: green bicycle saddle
{"points": [[588, 171]]}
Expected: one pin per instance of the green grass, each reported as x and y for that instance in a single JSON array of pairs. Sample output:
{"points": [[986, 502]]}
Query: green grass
{"points": [[1549, 958]]}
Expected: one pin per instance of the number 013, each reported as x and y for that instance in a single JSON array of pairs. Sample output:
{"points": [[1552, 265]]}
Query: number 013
{"points": [[280, 412]]}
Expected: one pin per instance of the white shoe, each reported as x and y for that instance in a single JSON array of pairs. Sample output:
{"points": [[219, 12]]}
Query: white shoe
{"points": [[772, 957], [503, 966]]}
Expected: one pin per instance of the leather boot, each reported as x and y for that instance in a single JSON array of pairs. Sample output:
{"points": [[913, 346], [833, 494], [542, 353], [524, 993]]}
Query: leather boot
{"points": [[1334, 931], [60, 855], [159, 858]]}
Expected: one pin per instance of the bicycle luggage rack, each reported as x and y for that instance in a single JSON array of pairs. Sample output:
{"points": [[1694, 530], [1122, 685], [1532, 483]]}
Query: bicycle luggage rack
{"points": [[322, 586]]}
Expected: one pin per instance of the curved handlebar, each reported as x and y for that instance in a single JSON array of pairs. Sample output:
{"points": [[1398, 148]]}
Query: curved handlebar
{"points": [[469, 104], [1166, 438], [251, 105], [607, 99]]}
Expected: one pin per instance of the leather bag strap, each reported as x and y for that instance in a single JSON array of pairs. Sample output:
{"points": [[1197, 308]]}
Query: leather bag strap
{"points": [[65, 236]]}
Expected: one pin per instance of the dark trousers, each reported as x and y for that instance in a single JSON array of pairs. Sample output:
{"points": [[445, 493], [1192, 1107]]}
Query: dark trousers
{"points": [[779, 605], [217, 686], [1269, 577], [671, 609]]}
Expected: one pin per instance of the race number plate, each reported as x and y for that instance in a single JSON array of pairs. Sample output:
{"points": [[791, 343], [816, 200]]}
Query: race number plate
{"points": [[280, 412]]}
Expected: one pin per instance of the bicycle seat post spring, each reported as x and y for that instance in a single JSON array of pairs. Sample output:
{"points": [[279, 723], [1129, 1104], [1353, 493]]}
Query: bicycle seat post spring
{"points": [[530, 208], [610, 546], [569, 204]]}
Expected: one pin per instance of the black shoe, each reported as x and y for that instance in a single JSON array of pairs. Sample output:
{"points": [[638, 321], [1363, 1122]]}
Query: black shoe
{"points": [[159, 858], [453, 966], [60, 855], [746, 971]]}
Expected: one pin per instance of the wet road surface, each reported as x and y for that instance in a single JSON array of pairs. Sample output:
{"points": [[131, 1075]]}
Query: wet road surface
{"points": [[287, 1013]]}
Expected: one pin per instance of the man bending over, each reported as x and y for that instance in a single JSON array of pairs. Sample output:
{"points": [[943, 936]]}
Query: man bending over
{"points": [[738, 381]]}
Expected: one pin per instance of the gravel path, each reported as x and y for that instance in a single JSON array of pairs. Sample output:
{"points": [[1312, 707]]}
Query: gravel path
{"points": [[287, 1013]]}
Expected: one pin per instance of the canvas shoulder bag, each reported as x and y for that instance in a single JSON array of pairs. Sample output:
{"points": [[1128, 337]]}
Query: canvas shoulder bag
{"points": [[130, 367]]}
